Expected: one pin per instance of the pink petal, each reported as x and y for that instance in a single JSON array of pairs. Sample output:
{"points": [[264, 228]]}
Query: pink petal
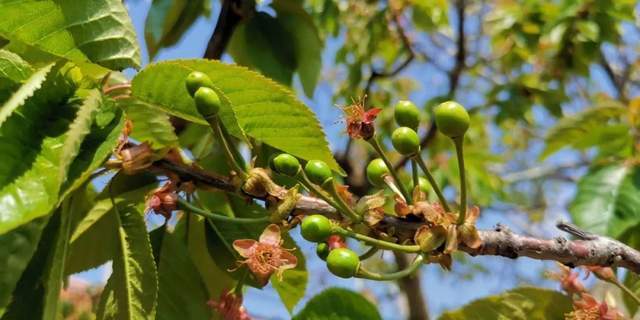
{"points": [[271, 235], [289, 261], [244, 246]]}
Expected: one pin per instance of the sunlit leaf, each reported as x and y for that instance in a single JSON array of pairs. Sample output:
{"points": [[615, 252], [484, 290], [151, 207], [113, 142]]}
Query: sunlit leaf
{"points": [[98, 31]]}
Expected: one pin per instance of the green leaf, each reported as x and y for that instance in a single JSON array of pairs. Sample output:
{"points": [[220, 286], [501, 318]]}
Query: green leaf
{"points": [[152, 126], [123, 189], [54, 271], [167, 21], [576, 131], [264, 110], [13, 67], [263, 43], [132, 289], [33, 141], [338, 304], [28, 297], [215, 279], [178, 275], [99, 31], [525, 303], [607, 201], [16, 249], [307, 43], [96, 147], [292, 287], [21, 95]]}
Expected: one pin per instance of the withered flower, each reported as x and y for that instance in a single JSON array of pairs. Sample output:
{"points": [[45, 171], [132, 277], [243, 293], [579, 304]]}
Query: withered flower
{"points": [[467, 232], [602, 273], [266, 256], [163, 200], [229, 306], [588, 308], [360, 121], [569, 281], [136, 158]]}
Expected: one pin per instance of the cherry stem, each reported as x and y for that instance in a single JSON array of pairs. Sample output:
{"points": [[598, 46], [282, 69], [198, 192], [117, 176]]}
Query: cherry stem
{"points": [[183, 204], [626, 290], [369, 253], [376, 146], [389, 182], [459, 142], [380, 244], [414, 173], [432, 182], [370, 275], [330, 186], [214, 122], [304, 180]]}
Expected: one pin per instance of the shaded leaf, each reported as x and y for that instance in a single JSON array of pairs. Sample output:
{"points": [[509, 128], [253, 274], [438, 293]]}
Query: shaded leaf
{"points": [[338, 304], [132, 289], [168, 20], [306, 42], [262, 43], [33, 141], [525, 303], [16, 249], [98, 31], [178, 275], [24, 92]]}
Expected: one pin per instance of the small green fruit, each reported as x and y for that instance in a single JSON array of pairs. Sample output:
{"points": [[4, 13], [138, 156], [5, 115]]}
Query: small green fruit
{"points": [[207, 102], [452, 119], [424, 185], [322, 250], [376, 170], [407, 114], [195, 80], [343, 262], [286, 164], [405, 141], [317, 171], [315, 228]]}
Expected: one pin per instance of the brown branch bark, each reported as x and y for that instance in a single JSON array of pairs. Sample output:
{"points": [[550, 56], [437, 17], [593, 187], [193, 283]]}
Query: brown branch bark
{"points": [[588, 249], [228, 19]]}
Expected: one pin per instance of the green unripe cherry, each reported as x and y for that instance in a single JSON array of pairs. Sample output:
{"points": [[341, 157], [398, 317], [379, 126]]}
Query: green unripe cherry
{"points": [[322, 250], [405, 140], [286, 164], [407, 114], [343, 262], [452, 119], [195, 80], [317, 171], [207, 102], [376, 170], [315, 228], [424, 185]]}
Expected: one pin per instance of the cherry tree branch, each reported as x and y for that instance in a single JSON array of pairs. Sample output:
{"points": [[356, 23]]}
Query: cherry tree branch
{"points": [[587, 249]]}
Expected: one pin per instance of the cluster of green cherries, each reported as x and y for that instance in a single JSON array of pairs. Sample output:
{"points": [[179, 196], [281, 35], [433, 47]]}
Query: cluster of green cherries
{"points": [[451, 119]]}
